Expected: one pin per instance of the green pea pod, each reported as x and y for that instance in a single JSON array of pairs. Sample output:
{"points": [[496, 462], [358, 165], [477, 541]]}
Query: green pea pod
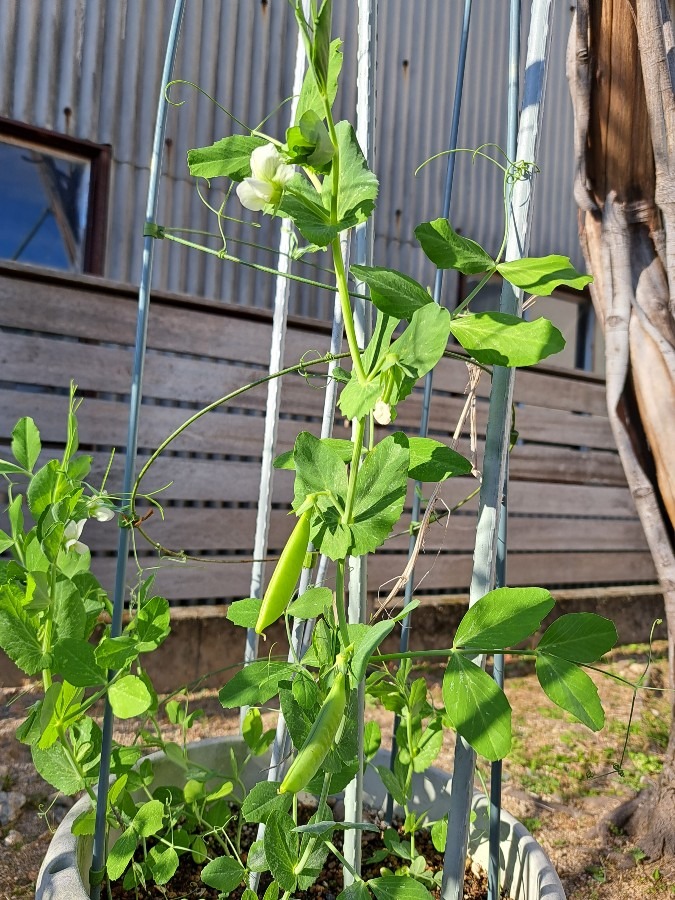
{"points": [[320, 739], [285, 576]]}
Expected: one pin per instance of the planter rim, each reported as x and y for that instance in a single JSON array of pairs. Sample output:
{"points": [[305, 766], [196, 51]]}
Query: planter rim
{"points": [[527, 872]]}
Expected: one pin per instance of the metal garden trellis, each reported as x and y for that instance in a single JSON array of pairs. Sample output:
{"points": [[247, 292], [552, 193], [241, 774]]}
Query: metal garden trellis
{"points": [[490, 550]]}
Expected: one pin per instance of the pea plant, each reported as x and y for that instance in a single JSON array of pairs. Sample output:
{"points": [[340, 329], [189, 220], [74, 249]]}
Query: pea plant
{"points": [[348, 497]]}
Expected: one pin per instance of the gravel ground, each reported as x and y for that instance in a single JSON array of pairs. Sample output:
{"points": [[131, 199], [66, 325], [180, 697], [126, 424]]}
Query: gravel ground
{"points": [[558, 780]]}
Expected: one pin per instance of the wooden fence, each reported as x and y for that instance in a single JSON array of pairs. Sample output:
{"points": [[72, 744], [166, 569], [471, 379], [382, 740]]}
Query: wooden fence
{"points": [[571, 519]]}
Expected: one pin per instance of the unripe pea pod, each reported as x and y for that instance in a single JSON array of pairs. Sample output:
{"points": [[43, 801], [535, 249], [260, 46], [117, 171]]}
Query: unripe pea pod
{"points": [[320, 739], [285, 576]]}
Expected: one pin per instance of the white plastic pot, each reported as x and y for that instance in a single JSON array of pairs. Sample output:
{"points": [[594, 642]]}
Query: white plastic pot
{"points": [[526, 871]]}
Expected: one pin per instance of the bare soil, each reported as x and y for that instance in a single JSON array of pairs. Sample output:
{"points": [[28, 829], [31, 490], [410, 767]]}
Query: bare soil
{"points": [[560, 780]]}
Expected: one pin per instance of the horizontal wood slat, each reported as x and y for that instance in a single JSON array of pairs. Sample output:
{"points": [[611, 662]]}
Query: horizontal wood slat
{"points": [[572, 520]]}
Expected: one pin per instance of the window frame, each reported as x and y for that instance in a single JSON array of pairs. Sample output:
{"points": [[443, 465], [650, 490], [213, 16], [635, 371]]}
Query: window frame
{"points": [[99, 157]]}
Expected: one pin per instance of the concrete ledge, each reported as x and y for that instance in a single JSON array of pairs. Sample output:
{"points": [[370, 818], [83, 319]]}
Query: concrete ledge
{"points": [[203, 641]]}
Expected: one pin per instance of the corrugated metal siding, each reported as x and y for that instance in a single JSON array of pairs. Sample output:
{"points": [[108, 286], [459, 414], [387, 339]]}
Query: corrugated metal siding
{"points": [[91, 68]]}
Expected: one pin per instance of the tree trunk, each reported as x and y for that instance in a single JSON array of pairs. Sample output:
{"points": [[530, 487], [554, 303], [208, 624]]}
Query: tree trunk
{"points": [[622, 74]]}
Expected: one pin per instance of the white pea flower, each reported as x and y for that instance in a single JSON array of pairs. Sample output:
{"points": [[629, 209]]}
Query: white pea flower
{"points": [[382, 412], [269, 175], [71, 534], [99, 508]]}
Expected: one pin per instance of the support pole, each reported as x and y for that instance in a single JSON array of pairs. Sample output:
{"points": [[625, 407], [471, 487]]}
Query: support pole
{"points": [[498, 433], [97, 869]]}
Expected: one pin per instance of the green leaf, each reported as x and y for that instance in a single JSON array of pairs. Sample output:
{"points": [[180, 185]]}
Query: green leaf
{"points": [[244, 612], [381, 486], [15, 516], [256, 860], [439, 834], [262, 800], [392, 784], [129, 697], [398, 887], [116, 653], [163, 862], [252, 727], [310, 98], [423, 342], [303, 205], [541, 275], [311, 604], [358, 186], [69, 613], [432, 461], [342, 447], [309, 143], [320, 828], [579, 637], [503, 617], [318, 468], [46, 486], [148, 820], [230, 157], [357, 890], [571, 689], [85, 823], [224, 873], [18, 637], [477, 708], [428, 746], [366, 639], [152, 623], [54, 766], [392, 292], [448, 250], [281, 849], [8, 468], [26, 444], [120, 853], [358, 399], [372, 739], [255, 684], [76, 661], [494, 338]]}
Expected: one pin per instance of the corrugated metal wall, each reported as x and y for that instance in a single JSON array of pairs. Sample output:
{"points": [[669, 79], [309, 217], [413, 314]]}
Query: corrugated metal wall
{"points": [[91, 68]]}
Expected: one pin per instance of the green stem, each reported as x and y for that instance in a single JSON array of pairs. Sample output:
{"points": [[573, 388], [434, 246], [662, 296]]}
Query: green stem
{"points": [[343, 293], [333, 849], [354, 470], [329, 357], [311, 843], [221, 254], [340, 601], [479, 287]]}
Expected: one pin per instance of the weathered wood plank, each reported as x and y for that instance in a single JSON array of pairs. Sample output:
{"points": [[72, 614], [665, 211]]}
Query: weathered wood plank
{"points": [[214, 580]]}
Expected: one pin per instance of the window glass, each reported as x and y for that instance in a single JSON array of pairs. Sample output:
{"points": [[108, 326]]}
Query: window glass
{"points": [[44, 206]]}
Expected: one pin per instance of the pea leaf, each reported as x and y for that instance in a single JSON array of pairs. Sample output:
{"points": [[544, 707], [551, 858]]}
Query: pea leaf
{"points": [[244, 612], [69, 613], [372, 739], [129, 697], [428, 746], [392, 292], [309, 143], [342, 447], [115, 653], [477, 708], [310, 98], [46, 486], [358, 186], [148, 819], [263, 799], [357, 890], [398, 887], [18, 637], [301, 203], [579, 637], [163, 862], [76, 661], [121, 853], [255, 684], [571, 689], [392, 784], [318, 468], [358, 399], [26, 444], [448, 250], [224, 873], [381, 486], [53, 765], [319, 828], [503, 617], [229, 157], [541, 275], [311, 604], [152, 623], [499, 339], [281, 849], [423, 342], [432, 461]]}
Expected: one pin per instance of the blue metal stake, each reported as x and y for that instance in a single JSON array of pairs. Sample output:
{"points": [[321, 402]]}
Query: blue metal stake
{"points": [[99, 852], [428, 381]]}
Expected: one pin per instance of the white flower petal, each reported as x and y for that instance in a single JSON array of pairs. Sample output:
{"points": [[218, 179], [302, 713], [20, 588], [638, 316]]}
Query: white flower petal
{"points": [[255, 194], [382, 413], [265, 162], [284, 174], [103, 513]]}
